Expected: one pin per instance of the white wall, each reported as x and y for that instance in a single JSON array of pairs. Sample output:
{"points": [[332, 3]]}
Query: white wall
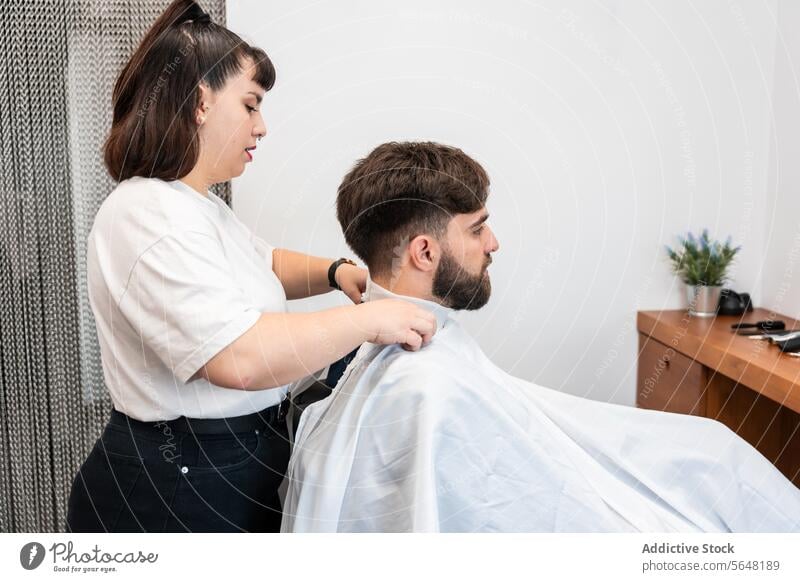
{"points": [[782, 234], [607, 128]]}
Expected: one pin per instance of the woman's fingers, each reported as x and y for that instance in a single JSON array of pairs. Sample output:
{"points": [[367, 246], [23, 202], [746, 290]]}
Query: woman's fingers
{"points": [[413, 341], [421, 332], [398, 321], [354, 295], [352, 281], [426, 327]]}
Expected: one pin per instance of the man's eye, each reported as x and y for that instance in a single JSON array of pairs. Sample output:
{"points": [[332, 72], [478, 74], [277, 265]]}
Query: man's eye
{"points": [[250, 109], [478, 230]]}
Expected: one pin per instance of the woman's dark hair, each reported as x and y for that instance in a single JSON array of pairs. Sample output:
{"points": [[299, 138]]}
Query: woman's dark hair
{"points": [[404, 189], [153, 131]]}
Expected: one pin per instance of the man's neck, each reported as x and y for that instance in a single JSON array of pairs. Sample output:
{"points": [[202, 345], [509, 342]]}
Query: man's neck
{"points": [[375, 291], [408, 286]]}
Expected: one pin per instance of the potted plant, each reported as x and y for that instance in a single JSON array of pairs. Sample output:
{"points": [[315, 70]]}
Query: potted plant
{"points": [[702, 264]]}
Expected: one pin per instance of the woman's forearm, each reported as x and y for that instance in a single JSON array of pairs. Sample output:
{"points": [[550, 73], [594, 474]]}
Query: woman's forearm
{"points": [[288, 346], [301, 275], [283, 347]]}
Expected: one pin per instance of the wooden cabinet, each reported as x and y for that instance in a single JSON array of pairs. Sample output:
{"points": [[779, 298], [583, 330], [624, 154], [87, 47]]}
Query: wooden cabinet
{"points": [[668, 380], [699, 366]]}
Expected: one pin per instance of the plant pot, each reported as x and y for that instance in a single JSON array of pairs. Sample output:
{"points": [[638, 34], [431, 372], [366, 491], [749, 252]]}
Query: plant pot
{"points": [[703, 300]]}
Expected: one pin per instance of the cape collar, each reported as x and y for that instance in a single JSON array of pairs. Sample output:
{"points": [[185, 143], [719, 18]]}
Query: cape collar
{"points": [[375, 292]]}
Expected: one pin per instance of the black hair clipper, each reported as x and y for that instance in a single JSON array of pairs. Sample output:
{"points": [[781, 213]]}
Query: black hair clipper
{"points": [[789, 345]]}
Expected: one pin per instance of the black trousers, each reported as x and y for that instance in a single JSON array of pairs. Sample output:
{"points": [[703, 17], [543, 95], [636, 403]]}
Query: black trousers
{"points": [[172, 477]]}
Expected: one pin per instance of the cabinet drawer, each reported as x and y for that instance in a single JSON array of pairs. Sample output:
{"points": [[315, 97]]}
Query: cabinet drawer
{"points": [[668, 380]]}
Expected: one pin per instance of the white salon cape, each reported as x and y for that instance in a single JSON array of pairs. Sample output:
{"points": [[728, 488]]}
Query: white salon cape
{"points": [[442, 440]]}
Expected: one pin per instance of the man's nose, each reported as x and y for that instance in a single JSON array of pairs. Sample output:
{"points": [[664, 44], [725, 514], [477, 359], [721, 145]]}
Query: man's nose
{"points": [[493, 244]]}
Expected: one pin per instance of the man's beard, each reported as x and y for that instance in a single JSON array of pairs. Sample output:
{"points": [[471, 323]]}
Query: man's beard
{"points": [[459, 289]]}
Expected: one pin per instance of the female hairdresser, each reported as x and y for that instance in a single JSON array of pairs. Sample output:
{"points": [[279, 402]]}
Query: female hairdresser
{"points": [[190, 306]]}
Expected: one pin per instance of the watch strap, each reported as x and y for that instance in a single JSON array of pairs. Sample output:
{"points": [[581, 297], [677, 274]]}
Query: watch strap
{"points": [[332, 272]]}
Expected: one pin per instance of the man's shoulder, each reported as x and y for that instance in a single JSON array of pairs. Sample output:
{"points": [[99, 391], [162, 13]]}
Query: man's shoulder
{"points": [[432, 360], [428, 373]]}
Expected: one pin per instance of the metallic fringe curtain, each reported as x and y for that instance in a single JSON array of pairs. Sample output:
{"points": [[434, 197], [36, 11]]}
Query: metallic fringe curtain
{"points": [[60, 59]]}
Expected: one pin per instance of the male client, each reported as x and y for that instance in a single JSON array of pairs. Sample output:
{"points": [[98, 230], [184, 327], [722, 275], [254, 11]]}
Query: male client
{"points": [[443, 440]]}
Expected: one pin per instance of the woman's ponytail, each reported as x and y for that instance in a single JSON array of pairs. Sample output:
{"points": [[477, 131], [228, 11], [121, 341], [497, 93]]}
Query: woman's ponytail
{"points": [[177, 13]]}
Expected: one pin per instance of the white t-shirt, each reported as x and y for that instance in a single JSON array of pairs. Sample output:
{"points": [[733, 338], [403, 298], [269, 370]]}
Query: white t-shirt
{"points": [[174, 277]]}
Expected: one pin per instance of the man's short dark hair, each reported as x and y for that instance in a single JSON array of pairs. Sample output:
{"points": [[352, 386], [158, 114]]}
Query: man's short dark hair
{"points": [[402, 190]]}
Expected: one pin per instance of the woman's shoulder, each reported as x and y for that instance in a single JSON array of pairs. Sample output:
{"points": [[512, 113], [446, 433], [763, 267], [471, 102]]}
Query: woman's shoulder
{"points": [[153, 208], [144, 215], [155, 194]]}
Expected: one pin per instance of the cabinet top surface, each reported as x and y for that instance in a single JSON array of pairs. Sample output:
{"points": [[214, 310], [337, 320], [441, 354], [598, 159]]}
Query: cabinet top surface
{"points": [[710, 341]]}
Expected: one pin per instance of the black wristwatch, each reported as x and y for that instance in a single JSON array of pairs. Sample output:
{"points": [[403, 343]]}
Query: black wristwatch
{"points": [[332, 272]]}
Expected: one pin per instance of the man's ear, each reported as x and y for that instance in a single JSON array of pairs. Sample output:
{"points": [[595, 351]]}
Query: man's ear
{"points": [[424, 253]]}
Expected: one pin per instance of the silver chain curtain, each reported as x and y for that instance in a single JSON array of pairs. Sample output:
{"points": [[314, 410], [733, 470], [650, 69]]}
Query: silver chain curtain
{"points": [[59, 62]]}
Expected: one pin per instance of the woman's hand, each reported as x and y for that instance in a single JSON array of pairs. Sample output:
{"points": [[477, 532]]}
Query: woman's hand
{"points": [[394, 321], [352, 280]]}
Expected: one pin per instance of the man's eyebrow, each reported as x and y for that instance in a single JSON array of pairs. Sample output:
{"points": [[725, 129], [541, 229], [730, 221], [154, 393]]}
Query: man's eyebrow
{"points": [[257, 96], [483, 218]]}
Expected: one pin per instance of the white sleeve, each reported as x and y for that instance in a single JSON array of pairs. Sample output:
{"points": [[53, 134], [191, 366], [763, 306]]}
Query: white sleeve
{"points": [[263, 248], [182, 299]]}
